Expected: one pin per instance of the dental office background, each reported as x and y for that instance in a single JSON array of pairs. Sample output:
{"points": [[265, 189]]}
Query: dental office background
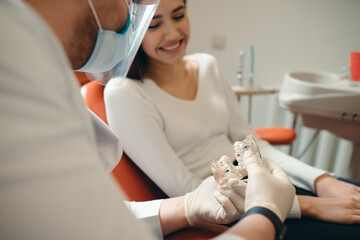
{"points": [[287, 35]]}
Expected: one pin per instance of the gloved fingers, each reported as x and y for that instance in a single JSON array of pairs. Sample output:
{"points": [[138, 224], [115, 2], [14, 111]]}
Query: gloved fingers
{"points": [[275, 170], [238, 186], [237, 200], [251, 162], [241, 171], [227, 205]]}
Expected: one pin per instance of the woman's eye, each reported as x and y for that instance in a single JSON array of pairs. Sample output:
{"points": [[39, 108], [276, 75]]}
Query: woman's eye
{"points": [[152, 26], [179, 17]]}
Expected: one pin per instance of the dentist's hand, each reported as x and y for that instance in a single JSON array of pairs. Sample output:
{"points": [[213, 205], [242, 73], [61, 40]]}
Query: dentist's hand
{"points": [[235, 191], [268, 186], [207, 204]]}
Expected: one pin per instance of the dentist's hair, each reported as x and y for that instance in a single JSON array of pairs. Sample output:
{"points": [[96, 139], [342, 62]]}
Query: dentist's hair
{"points": [[139, 65]]}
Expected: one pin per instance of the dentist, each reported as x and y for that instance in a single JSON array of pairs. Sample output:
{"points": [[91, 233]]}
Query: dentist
{"points": [[53, 151]]}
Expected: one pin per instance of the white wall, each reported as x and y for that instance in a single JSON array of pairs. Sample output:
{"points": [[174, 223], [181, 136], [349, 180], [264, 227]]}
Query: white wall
{"points": [[286, 34]]}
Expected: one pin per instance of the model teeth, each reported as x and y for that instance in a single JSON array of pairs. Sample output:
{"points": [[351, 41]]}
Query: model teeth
{"points": [[172, 47]]}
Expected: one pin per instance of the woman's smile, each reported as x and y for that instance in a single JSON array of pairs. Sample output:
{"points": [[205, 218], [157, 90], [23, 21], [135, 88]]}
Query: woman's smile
{"points": [[172, 47]]}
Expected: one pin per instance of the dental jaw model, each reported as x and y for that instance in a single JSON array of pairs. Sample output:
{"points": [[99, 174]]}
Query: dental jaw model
{"points": [[249, 143], [223, 169]]}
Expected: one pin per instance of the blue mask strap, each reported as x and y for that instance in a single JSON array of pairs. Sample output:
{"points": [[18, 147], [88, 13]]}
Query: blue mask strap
{"points": [[126, 26]]}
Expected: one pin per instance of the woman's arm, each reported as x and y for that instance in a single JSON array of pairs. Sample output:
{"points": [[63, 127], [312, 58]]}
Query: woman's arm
{"points": [[329, 186], [140, 130], [345, 209], [301, 174]]}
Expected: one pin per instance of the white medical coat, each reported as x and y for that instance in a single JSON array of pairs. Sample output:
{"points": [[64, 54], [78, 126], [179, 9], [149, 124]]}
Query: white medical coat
{"points": [[52, 154]]}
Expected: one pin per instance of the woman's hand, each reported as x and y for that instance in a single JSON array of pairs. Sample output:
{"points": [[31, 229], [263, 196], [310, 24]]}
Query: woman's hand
{"points": [[345, 209], [327, 186], [337, 201]]}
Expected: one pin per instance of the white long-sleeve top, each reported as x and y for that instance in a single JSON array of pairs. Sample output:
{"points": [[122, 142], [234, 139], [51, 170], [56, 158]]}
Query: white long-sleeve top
{"points": [[174, 140]]}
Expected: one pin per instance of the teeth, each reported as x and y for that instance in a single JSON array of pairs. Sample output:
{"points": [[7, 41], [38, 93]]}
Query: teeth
{"points": [[172, 47]]}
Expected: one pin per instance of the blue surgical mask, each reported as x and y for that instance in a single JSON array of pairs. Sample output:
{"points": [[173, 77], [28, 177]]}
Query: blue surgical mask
{"points": [[110, 47], [114, 52]]}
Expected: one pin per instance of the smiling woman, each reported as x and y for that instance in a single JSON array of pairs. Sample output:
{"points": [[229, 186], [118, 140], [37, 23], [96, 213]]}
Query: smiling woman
{"points": [[162, 20]]}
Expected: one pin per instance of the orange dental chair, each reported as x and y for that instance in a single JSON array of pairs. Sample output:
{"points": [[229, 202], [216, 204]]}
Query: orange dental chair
{"points": [[276, 135]]}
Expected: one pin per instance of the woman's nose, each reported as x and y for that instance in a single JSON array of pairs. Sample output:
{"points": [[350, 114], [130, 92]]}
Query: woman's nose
{"points": [[171, 31]]}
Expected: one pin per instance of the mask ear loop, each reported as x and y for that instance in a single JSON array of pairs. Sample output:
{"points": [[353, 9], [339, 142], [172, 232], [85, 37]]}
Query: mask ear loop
{"points": [[127, 4], [92, 76], [128, 22], [129, 17], [95, 15]]}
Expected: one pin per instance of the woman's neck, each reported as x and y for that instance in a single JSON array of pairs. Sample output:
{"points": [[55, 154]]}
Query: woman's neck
{"points": [[166, 74], [178, 79]]}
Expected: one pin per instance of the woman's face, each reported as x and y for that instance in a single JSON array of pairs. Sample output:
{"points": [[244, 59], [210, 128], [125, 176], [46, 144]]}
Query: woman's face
{"points": [[168, 33]]}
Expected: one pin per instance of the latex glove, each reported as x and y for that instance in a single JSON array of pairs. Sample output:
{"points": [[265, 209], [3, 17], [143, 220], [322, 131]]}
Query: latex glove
{"points": [[229, 183], [268, 186], [207, 204], [235, 191]]}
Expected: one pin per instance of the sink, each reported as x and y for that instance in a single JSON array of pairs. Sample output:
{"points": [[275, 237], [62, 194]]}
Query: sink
{"points": [[324, 101], [322, 94], [314, 77]]}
